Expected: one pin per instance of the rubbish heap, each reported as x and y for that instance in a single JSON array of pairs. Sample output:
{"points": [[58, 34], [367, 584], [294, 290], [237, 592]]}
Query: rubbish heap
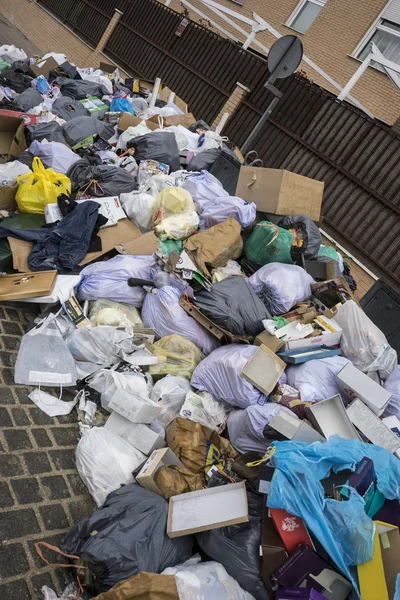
{"points": [[239, 413]]}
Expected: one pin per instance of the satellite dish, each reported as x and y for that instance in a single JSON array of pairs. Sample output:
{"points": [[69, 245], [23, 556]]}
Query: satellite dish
{"points": [[285, 56]]}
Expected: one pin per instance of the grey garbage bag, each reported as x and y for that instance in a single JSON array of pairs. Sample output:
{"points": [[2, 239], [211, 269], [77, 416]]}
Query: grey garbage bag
{"points": [[159, 146], [68, 108], [100, 180], [237, 548], [80, 128], [130, 537], [233, 305], [27, 100], [81, 89], [203, 161], [306, 230], [52, 132]]}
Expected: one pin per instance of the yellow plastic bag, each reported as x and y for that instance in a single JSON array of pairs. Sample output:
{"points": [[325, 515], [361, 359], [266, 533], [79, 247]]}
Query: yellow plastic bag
{"points": [[39, 188], [176, 356]]}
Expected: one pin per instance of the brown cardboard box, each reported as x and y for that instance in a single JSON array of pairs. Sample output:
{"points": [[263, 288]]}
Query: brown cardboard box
{"points": [[128, 120], [144, 245], [107, 68], [20, 250], [12, 142], [158, 458], [271, 341], [27, 285], [264, 370], [273, 550], [185, 120], [280, 192], [164, 95], [124, 231], [45, 68]]}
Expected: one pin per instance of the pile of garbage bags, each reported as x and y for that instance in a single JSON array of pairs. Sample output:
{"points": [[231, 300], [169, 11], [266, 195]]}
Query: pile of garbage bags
{"points": [[239, 413]]}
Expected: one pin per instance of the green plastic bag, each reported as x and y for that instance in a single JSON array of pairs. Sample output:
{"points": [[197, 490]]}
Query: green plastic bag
{"points": [[328, 251], [269, 243], [4, 65]]}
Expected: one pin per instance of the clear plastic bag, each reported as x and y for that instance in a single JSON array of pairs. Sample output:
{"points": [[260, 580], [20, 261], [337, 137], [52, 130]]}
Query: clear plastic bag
{"points": [[10, 171], [232, 268], [176, 356], [177, 227], [363, 342], [139, 208], [170, 393], [202, 408], [174, 214], [105, 461], [116, 314], [108, 381]]}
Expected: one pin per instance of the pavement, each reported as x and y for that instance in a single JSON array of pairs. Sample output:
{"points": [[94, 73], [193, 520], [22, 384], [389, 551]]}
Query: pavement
{"points": [[41, 493]]}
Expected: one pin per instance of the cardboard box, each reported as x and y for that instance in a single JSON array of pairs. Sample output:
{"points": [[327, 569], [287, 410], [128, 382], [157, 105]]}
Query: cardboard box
{"points": [[288, 424], [140, 436], [124, 231], [273, 551], [159, 458], [110, 207], [306, 569], [327, 339], [207, 509], [134, 407], [333, 292], [128, 120], [330, 417], [27, 285], [371, 426], [377, 577], [393, 424], [268, 340], [44, 68], [95, 107], [355, 384], [264, 370], [144, 245], [321, 271], [291, 529], [280, 192], [303, 355], [265, 475], [363, 480], [165, 94], [12, 142], [184, 120]]}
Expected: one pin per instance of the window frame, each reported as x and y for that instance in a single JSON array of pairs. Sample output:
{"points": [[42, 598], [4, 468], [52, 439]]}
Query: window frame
{"points": [[377, 25], [297, 11]]}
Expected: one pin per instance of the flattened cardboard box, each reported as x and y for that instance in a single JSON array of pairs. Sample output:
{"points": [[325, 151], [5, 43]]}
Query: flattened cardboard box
{"points": [[280, 192], [44, 68], [165, 94], [207, 509], [27, 285], [144, 245]]}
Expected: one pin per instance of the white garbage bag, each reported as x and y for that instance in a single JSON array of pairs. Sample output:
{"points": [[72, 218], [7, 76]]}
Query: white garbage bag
{"points": [[246, 427], [108, 381], [105, 461], [202, 408], [11, 53], [10, 171], [98, 77], [170, 393], [131, 133], [139, 208], [316, 379], [363, 342], [54, 155]]}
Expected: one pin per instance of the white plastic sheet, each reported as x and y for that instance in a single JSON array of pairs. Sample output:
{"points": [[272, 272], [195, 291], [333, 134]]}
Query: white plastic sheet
{"points": [[105, 461], [50, 405]]}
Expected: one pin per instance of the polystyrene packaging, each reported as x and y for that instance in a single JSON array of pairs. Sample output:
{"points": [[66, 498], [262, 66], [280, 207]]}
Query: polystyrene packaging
{"points": [[161, 311], [316, 379], [363, 342], [105, 462], [220, 375], [117, 314], [281, 286]]}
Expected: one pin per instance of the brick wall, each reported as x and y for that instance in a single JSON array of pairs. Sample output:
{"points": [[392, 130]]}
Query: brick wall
{"points": [[234, 100], [329, 42]]}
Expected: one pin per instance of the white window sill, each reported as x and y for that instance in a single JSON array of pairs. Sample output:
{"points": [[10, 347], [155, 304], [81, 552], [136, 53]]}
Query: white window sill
{"points": [[293, 29]]}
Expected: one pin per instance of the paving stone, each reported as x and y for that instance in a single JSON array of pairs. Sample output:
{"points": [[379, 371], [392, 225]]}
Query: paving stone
{"points": [[52, 557], [54, 517], [66, 419], [11, 342], [41, 438], [55, 487], [10, 465], [26, 490], [38, 581], [20, 417], [23, 393], [39, 417], [6, 395], [8, 375], [8, 359], [63, 459], [18, 523], [15, 590], [66, 436], [17, 439], [81, 508], [11, 328], [37, 462], [5, 419], [2, 314], [78, 487], [6, 499], [13, 562]]}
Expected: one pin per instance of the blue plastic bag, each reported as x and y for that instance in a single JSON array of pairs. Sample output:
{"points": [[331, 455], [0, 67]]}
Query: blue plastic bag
{"points": [[343, 528], [121, 105]]}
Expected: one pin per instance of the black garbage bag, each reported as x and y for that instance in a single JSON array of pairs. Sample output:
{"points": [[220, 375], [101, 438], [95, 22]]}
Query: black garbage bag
{"points": [[204, 160], [80, 128], [100, 180], [27, 100], [25, 158], [81, 89], [23, 67], [15, 79], [234, 305], [157, 146], [237, 548], [130, 537], [304, 229], [52, 132], [199, 125], [68, 108]]}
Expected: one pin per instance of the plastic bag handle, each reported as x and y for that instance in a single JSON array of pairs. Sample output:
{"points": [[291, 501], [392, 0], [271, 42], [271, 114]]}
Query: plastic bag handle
{"points": [[37, 166], [55, 549]]}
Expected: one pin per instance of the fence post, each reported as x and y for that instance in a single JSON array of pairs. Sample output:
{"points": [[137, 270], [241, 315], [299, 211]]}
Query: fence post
{"points": [[109, 30], [233, 102]]}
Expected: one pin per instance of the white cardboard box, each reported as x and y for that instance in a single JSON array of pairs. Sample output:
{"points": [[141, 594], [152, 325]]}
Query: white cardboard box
{"points": [[264, 370], [140, 436], [393, 423], [372, 427], [356, 384], [207, 509], [293, 428], [133, 407], [330, 417], [110, 207], [328, 339], [159, 458]]}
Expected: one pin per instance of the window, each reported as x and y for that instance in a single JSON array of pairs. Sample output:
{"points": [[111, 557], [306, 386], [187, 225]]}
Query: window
{"points": [[305, 14], [386, 36]]}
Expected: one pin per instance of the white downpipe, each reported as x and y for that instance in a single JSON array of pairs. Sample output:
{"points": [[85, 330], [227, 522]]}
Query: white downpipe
{"points": [[154, 93]]}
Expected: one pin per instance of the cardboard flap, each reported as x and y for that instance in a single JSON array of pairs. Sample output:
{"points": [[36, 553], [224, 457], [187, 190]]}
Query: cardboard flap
{"points": [[12, 139], [27, 285], [128, 120], [44, 68], [125, 231], [20, 251], [144, 245]]}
